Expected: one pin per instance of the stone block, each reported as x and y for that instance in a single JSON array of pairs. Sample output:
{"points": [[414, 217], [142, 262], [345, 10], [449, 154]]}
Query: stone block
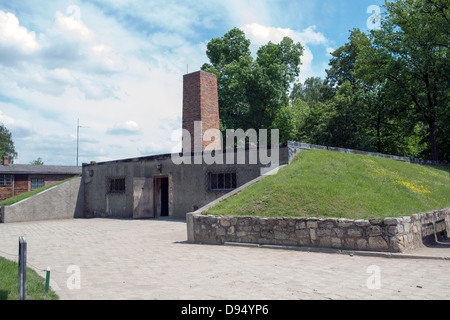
{"points": [[224, 222], [323, 232], [394, 229], [362, 223], [311, 224], [326, 225], [336, 242], [325, 242], [354, 232], [302, 233], [241, 234], [376, 222], [266, 234], [337, 232], [373, 231], [280, 235], [350, 243], [221, 231], [300, 225], [361, 244], [378, 243], [345, 223], [392, 221]]}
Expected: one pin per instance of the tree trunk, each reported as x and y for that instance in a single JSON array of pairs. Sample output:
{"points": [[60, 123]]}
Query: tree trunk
{"points": [[432, 124], [378, 132]]}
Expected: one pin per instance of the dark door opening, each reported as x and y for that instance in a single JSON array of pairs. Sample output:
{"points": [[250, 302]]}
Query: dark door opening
{"points": [[161, 197], [164, 197]]}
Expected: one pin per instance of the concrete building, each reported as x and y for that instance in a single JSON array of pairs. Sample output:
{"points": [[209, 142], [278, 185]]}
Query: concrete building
{"points": [[171, 185]]}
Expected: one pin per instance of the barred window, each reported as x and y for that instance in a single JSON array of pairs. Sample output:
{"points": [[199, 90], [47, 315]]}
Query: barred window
{"points": [[222, 181], [37, 183], [6, 180], [116, 185]]}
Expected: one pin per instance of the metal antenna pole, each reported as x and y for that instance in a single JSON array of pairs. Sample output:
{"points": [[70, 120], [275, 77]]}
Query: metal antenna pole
{"points": [[78, 137]]}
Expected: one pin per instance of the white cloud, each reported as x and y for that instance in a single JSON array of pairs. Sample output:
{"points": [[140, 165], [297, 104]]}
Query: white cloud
{"points": [[310, 36], [330, 50], [6, 120], [20, 129], [12, 33], [128, 127], [250, 11], [74, 25], [261, 34]]}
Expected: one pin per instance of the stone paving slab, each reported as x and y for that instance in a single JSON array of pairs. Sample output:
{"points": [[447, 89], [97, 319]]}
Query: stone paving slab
{"points": [[151, 260]]}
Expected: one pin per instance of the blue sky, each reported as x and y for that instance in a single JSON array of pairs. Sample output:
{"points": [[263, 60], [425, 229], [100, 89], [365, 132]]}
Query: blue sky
{"points": [[117, 66]]}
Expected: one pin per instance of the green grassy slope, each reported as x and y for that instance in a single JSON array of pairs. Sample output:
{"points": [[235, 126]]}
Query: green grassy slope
{"points": [[332, 184], [23, 196]]}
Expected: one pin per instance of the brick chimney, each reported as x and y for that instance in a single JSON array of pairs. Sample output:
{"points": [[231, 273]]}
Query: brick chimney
{"points": [[5, 160], [200, 103]]}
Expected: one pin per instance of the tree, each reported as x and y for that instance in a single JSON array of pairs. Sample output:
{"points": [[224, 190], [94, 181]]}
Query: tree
{"points": [[340, 121], [6, 143], [344, 58], [37, 162], [312, 91], [411, 54], [254, 93], [308, 101]]}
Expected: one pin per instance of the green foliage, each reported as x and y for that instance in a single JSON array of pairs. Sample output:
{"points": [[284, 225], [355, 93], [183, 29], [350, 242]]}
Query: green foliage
{"points": [[387, 91], [410, 54], [331, 184], [37, 162], [254, 93], [6, 143]]}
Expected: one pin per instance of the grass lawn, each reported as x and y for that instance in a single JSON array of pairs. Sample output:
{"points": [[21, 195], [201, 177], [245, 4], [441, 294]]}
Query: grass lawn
{"points": [[9, 283], [321, 183]]}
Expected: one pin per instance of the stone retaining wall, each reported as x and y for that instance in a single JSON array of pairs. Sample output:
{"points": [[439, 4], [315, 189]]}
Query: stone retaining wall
{"points": [[389, 235]]}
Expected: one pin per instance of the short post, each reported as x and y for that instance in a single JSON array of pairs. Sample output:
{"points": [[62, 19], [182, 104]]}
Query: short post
{"points": [[47, 280], [22, 268]]}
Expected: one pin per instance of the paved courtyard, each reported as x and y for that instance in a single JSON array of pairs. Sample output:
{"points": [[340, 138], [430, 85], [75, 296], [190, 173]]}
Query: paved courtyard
{"points": [[150, 259]]}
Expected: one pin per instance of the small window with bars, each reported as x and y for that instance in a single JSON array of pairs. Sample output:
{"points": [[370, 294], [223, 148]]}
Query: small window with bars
{"points": [[222, 181], [116, 185], [6, 180]]}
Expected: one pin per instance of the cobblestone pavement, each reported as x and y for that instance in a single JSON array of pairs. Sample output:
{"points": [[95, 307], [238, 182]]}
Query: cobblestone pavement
{"points": [[109, 259]]}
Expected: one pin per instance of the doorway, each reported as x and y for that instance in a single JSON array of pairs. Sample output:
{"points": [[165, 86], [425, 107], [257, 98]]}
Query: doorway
{"points": [[142, 198], [161, 196]]}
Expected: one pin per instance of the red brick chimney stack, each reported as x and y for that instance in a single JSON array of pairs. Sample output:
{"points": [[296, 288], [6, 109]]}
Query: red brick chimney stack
{"points": [[200, 103], [5, 160]]}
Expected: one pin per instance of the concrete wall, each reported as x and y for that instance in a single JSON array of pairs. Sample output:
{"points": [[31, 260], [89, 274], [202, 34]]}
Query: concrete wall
{"points": [[390, 235], [63, 201]]}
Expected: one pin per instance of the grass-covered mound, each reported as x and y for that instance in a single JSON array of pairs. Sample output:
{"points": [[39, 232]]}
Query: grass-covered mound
{"points": [[331, 184]]}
